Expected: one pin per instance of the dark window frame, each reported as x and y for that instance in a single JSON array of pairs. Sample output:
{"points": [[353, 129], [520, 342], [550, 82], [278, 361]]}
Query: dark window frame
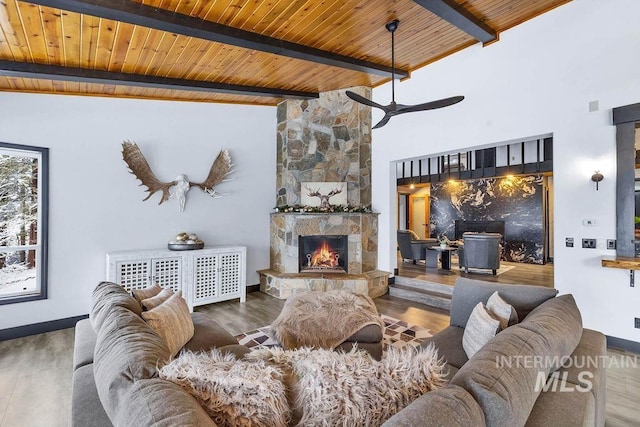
{"points": [[625, 119], [43, 209]]}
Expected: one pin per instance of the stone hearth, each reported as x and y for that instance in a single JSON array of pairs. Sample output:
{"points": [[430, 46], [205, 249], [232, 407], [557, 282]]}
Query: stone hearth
{"points": [[283, 285], [324, 140]]}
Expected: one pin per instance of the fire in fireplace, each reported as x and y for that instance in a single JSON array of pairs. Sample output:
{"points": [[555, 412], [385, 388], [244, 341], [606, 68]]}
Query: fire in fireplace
{"points": [[323, 253]]}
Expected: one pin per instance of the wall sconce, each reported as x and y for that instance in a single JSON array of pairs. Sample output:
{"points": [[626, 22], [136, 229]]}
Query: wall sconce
{"points": [[412, 186], [597, 177]]}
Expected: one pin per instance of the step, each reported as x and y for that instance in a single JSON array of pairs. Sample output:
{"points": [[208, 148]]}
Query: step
{"points": [[424, 285], [426, 297]]}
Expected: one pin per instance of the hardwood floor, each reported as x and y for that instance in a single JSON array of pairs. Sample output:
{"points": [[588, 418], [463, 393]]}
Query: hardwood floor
{"points": [[35, 380], [526, 274], [623, 389], [259, 310], [262, 309], [35, 371]]}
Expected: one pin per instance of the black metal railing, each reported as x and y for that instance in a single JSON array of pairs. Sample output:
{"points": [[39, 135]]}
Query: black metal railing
{"points": [[512, 159]]}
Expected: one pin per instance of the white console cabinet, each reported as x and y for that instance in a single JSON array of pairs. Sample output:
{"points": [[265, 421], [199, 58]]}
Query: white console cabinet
{"points": [[205, 276]]}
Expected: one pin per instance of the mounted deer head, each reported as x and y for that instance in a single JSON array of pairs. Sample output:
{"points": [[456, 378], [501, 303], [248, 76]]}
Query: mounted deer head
{"points": [[324, 198], [138, 165]]}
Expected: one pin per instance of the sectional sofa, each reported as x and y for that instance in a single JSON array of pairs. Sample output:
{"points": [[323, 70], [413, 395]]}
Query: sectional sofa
{"points": [[117, 357], [116, 361], [546, 370]]}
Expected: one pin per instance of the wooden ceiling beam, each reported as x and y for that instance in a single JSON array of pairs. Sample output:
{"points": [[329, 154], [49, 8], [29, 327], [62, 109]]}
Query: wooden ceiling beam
{"points": [[457, 15], [166, 20], [83, 75]]}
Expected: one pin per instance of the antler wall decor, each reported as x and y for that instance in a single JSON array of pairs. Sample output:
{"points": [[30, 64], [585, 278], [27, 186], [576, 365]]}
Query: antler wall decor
{"points": [[324, 198], [138, 166]]}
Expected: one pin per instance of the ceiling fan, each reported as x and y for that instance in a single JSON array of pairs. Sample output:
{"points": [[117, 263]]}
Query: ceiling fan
{"points": [[394, 109]]}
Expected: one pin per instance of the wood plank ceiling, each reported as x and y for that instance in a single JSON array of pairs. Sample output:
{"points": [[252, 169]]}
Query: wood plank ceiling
{"points": [[42, 35]]}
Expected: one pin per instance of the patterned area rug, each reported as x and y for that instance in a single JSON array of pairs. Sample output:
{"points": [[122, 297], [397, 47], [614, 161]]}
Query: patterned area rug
{"points": [[397, 333]]}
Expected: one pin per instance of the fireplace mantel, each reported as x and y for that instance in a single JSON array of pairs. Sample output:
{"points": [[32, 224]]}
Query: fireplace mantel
{"points": [[295, 213]]}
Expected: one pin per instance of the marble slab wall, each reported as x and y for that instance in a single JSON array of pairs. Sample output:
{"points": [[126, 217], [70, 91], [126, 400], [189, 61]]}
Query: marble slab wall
{"points": [[516, 200], [324, 140], [361, 230]]}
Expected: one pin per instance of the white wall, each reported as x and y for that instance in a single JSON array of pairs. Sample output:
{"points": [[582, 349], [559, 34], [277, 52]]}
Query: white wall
{"points": [[537, 79], [96, 204]]}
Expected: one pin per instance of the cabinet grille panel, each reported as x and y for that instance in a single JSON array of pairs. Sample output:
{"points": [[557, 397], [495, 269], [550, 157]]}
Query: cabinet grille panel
{"points": [[133, 275], [166, 273], [229, 274], [204, 276], [206, 270]]}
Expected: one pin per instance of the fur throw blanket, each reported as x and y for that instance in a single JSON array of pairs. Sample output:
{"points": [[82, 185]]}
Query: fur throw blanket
{"points": [[323, 319], [275, 387]]}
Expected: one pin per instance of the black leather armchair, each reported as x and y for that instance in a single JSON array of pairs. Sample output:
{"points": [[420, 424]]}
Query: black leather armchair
{"points": [[481, 251], [416, 250]]}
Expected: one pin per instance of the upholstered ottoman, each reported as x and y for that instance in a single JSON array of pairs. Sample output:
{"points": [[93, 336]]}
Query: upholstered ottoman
{"points": [[330, 320], [368, 338]]}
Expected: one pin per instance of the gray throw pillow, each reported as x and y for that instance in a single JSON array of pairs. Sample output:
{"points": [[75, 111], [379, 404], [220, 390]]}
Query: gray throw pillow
{"points": [[127, 351], [105, 297], [502, 311], [481, 327]]}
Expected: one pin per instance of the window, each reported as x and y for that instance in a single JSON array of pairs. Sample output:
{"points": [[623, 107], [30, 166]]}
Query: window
{"points": [[23, 222]]}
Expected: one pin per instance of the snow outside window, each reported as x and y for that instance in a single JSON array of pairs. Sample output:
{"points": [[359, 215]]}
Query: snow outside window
{"points": [[23, 222]]}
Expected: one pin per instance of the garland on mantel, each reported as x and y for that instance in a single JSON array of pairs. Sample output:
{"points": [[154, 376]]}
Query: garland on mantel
{"points": [[318, 209]]}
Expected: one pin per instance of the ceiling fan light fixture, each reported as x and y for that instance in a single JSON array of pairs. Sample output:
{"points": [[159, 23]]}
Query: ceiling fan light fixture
{"points": [[393, 109]]}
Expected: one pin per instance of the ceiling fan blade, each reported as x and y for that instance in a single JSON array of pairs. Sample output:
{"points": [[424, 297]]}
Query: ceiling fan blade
{"points": [[365, 101], [440, 103], [383, 122]]}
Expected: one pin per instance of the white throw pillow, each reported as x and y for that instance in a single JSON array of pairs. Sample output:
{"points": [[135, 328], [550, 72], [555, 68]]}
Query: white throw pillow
{"points": [[502, 310], [480, 328]]}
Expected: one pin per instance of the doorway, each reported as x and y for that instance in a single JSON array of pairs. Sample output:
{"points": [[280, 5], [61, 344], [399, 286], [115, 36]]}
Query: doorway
{"points": [[419, 214], [414, 204]]}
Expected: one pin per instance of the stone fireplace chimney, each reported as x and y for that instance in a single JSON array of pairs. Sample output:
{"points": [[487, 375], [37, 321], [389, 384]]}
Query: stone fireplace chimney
{"points": [[324, 140]]}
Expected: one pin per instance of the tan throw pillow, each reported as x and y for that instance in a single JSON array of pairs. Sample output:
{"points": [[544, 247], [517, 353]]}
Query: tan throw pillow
{"points": [[481, 327], [172, 321], [148, 292], [153, 302], [502, 310]]}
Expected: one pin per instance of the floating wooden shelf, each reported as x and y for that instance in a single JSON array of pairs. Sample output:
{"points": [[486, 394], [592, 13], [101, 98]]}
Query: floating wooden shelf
{"points": [[625, 263]]}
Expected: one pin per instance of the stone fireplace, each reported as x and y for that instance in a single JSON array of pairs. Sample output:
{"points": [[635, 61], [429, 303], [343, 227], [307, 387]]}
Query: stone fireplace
{"points": [[324, 140]]}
